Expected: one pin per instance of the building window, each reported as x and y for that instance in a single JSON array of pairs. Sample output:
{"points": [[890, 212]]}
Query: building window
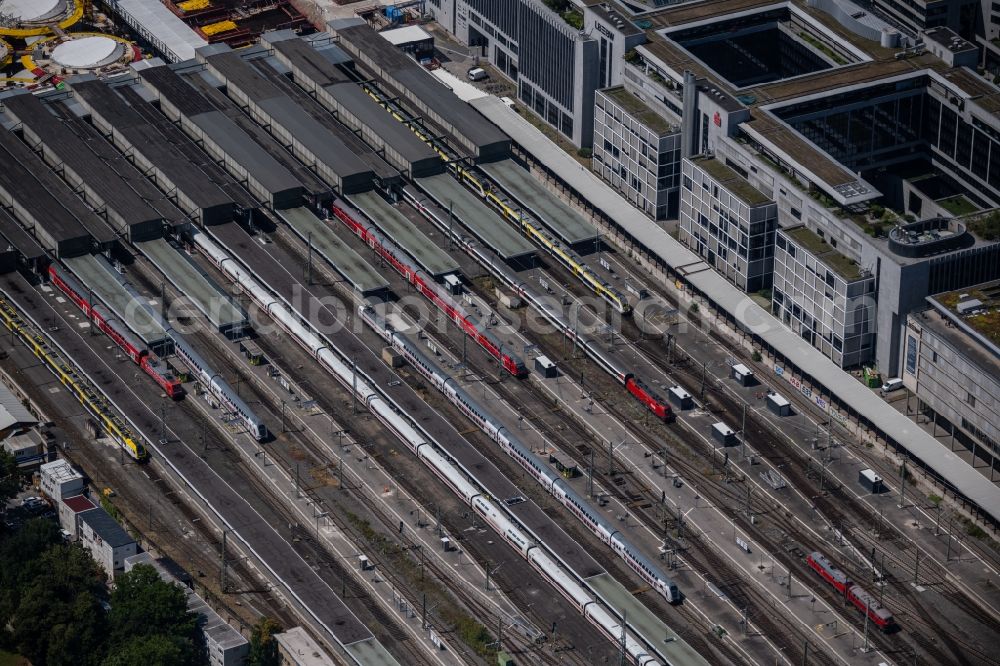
{"points": [[933, 357], [911, 355], [970, 399]]}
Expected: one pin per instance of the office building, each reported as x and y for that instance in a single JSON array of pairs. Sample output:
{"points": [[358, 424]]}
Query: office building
{"points": [[917, 15], [59, 480], [824, 297], [728, 222], [637, 151], [890, 166], [952, 364], [69, 510], [555, 64]]}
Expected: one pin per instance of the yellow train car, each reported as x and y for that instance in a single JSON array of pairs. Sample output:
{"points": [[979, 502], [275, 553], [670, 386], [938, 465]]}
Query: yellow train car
{"points": [[74, 384]]}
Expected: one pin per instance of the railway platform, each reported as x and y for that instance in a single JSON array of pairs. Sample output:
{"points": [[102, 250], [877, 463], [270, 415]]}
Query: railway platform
{"points": [[484, 224], [365, 279], [432, 258], [565, 222], [206, 294], [110, 287]]}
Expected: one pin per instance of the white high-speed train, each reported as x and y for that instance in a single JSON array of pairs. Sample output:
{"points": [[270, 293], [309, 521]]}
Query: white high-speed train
{"points": [[522, 454], [424, 447]]}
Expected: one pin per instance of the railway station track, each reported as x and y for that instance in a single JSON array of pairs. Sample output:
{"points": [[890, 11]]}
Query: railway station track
{"points": [[574, 439], [408, 544], [776, 452], [832, 505]]}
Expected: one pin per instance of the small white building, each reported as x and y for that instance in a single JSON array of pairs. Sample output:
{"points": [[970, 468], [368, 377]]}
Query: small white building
{"points": [[225, 645], [69, 509], [27, 448], [60, 480], [107, 542], [297, 648]]}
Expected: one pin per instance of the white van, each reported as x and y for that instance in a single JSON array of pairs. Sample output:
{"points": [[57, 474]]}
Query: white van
{"points": [[478, 74], [508, 102], [892, 385]]}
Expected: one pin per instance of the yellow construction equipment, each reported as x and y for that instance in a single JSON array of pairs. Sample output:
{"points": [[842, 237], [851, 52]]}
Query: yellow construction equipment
{"points": [[216, 28], [193, 5]]}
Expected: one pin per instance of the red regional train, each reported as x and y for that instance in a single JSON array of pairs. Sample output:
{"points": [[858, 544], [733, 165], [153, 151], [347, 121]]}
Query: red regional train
{"points": [[116, 330], [856, 594], [430, 290]]}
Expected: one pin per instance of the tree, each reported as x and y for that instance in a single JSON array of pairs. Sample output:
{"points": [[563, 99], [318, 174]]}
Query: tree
{"points": [[263, 646], [59, 618], [10, 475], [20, 555], [144, 605], [158, 650]]}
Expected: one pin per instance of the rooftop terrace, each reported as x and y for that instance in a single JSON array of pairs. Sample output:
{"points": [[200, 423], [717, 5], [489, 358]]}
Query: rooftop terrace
{"points": [[843, 266], [638, 109], [732, 181], [979, 309]]}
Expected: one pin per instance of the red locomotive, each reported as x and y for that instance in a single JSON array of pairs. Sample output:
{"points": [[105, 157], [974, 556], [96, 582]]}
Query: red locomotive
{"points": [[115, 329], [856, 594], [430, 290], [650, 398]]}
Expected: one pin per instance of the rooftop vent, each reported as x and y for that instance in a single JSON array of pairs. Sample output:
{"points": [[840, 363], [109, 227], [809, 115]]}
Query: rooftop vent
{"points": [[971, 305]]}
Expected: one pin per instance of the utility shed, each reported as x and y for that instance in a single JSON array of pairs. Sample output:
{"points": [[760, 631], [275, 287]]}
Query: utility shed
{"points": [[742, 374], [53, 225], [100, 184], [222, 139], [405, 78], [316, 73], [779, 405], [195, 192], [307, 139]]}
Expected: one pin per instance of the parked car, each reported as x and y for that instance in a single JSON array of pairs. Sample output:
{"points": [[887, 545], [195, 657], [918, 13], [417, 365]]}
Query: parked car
{"points": [[478, 74], [892, 385]]}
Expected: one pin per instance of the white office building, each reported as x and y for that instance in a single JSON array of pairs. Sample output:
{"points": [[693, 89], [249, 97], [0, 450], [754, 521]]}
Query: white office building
{"points": [[728, 222], [824, 297]]}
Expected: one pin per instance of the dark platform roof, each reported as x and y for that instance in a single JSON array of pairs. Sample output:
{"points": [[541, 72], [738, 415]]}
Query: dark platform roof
{"points": [[312, 138], [240, 74], [395, 133], [105, 526], [116, 163], [59, 210], [312, 63], [169, 84], [313, 183], [244, 151], [18, 238], [76, 155], [128, 121], [308, 130], [408, 79], [384, 171], [237, 146]]}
